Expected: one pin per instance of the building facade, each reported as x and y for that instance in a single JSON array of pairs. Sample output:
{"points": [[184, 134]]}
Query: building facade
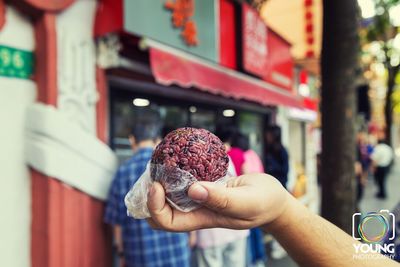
{"points": [[76, 73]]}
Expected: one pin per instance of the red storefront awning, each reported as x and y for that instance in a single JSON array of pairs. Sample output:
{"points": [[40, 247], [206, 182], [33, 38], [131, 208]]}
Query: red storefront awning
{"points": [[170, 66]]}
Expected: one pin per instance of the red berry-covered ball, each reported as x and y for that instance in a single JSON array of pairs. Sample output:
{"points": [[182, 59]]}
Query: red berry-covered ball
{"points": [[193, 150]]}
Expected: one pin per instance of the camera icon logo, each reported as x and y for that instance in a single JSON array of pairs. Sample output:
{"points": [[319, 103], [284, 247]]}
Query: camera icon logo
{"points": [[374, 227]]}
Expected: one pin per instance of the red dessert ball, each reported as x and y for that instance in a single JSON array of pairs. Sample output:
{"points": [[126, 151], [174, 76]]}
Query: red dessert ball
{"points": [[196, 151]]}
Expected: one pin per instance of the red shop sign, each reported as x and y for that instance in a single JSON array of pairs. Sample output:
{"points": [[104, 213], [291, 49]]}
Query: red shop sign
{"points": [[280, 65], [255, 48]]}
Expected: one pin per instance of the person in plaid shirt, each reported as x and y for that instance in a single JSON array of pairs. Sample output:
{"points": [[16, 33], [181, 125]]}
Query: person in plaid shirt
{"points": [[137, 244]]}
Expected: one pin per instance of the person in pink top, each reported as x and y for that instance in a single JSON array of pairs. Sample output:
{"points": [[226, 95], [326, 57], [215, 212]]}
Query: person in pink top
{"points": [[252, 163], [237, 157], [222, 247], [234, 152]]}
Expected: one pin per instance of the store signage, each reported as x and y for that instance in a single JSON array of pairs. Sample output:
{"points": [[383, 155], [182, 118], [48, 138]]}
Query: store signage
{"points": [[189, 25], [182, 13], [302, 114], [265, 53], [280, 66], [255, 48], [15, 63]]}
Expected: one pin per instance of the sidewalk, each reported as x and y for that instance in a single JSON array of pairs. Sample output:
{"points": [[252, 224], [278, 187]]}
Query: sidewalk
{"points": [[368, 203]]}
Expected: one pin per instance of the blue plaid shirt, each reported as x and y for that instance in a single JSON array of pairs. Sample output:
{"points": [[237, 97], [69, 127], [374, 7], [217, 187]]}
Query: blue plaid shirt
{"points": [[143, 246]]}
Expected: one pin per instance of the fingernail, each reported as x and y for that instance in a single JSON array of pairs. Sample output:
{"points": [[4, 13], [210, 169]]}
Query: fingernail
{"points": [[198, 193], [152, 190]]}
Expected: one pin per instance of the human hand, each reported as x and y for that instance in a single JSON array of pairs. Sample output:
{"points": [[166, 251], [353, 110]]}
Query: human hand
{"points": [[246, 201]]}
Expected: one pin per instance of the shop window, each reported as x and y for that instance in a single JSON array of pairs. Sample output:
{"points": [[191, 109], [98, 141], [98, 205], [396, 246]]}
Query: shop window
{"points": [[203, 118], [173, 117], [251, 124], [125, 114]]}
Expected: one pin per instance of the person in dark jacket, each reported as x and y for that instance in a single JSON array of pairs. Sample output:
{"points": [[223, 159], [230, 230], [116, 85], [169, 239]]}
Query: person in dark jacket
{"points": [[276, 161]]}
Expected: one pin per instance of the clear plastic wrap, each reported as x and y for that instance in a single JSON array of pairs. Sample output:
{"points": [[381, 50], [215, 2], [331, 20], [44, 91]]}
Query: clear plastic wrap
{"points": [[176, 183]]}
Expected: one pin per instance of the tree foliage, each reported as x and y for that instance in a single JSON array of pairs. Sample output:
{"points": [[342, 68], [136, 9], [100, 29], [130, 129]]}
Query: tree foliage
{"points": [[382, 35]]}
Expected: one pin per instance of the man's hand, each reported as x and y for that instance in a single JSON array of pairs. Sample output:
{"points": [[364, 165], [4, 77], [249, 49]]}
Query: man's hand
{"points": [[246, 201], [256, 199]]}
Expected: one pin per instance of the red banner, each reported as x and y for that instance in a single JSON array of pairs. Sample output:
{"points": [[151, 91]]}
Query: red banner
{"points": [[255, 48], [280, 65]]}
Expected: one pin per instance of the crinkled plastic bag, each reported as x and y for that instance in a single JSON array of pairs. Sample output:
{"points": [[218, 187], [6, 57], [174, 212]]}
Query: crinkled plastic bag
{"points": [[176, 183]]}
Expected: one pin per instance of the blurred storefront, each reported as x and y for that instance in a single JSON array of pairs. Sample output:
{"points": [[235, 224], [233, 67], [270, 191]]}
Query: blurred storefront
{"points": [[93, 66], [302, 138], [232, 71]]}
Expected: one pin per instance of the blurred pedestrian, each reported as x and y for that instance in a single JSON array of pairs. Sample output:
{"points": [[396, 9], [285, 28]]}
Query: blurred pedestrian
{"points": [[276, 163], [218, 246], [221, 247], [252, 161], [252, 164], [234, 152], [382, 157], [360, 182], [136, 243], [361, 165]]}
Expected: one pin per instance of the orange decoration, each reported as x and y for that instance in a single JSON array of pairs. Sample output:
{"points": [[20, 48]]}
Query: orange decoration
{"points": [[189, 33], [310, 54], [182, 12], [309, 28]]}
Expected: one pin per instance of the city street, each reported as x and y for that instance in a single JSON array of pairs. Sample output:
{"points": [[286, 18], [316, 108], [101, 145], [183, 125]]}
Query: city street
{"points": [[368, 203], [102, 98]]}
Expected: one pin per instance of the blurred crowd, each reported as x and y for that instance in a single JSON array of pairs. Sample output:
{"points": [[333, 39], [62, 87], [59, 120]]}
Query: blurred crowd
{"points": [[374, 158]]}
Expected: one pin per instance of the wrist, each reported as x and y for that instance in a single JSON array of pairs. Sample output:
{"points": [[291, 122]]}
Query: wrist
{"points": [[288, 216]]}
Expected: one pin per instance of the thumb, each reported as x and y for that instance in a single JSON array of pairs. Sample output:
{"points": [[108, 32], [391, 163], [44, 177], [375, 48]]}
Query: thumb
{"points": [[215, 196]]}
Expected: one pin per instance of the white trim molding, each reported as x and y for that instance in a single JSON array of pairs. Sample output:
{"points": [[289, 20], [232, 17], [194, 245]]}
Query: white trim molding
{"points": [[60, 148]]}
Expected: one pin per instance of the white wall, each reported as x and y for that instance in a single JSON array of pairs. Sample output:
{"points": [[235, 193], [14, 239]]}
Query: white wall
{"points": [[77, 94], [56, 136], [15, 190], [291, 139]]}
